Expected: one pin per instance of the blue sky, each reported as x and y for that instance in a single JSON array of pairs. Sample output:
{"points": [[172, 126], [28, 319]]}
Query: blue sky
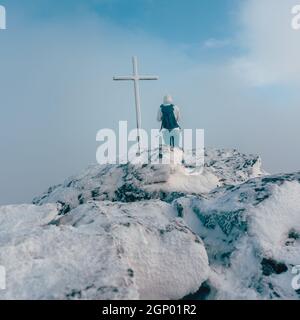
{"points": [[232, 66], [186, 24], [174, 20]]}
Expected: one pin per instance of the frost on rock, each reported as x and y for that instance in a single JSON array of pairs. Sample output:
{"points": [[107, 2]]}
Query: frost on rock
{"points": [[154, 231], [130, 183], [251, 234], [100, 250]]}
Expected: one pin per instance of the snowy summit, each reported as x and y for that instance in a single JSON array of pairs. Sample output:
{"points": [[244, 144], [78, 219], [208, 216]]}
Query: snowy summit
{"points": [[156, 232]]}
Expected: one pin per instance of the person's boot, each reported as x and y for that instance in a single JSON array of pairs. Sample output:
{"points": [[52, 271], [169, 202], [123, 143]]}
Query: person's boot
{"points": [[172, 142], [160, 154]]}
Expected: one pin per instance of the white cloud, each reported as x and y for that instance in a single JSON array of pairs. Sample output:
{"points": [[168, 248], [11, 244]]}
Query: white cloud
{"points": [[272, 46], [213, 43]]}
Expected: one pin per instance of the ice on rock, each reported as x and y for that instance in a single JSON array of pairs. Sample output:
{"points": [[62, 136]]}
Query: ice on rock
{"points": [[251, 233], [156, 231], [129, 183], [100, 250]]}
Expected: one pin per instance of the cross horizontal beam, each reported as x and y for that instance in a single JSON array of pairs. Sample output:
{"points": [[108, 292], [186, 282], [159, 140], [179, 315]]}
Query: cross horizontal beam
{"points": [[136, 78]]}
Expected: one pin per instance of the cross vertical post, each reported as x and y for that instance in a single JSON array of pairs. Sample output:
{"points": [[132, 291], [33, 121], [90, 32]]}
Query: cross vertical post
{"points": [[137, 101], [136, 79]]}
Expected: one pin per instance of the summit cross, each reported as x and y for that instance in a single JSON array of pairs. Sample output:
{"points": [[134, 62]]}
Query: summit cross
{"points": [[136, 79]]}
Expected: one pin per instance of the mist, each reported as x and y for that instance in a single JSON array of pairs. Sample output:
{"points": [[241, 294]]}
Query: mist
{"points": [[57, 91]]}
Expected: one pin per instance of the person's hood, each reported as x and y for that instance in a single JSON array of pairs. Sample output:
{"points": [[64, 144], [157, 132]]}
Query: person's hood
{"points": [[168, 99]]}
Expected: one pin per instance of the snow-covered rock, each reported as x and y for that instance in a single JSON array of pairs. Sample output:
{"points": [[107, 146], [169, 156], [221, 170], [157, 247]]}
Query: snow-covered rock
{"points": [[155, 231], [100, 250], [129, 183], [251, 233]]}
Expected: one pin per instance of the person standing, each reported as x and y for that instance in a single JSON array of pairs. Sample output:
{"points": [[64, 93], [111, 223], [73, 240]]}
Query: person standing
{"points": [[169, 116]]}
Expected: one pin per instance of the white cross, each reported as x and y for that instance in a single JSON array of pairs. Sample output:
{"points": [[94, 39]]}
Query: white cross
{"points": [[136, 78]]}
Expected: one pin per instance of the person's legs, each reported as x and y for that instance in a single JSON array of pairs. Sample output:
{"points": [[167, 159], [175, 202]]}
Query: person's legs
{"points": [[174, 137], [172, 141], [171, 138], [166, 135]]}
